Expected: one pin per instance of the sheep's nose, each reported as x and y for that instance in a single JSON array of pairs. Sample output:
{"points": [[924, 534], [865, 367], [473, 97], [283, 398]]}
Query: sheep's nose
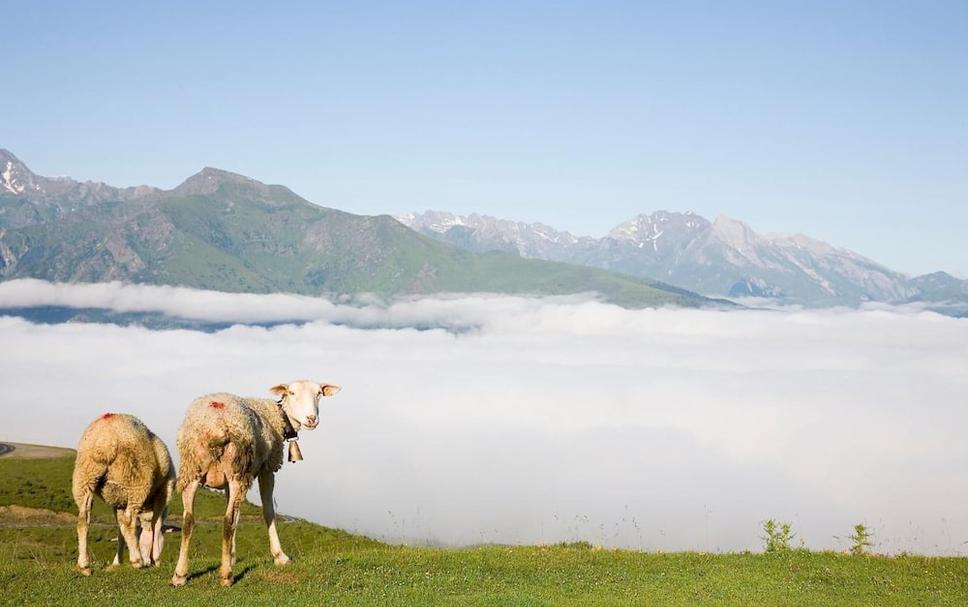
{"points": [[311, 420]]}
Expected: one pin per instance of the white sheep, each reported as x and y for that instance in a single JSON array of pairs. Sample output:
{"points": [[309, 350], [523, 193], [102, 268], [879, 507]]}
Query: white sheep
{"points": [[228, 441], [129, 467]]}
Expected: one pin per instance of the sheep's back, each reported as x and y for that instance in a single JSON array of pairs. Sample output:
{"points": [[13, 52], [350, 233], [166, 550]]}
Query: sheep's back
{"points": [[216, 420], [118, 449]]}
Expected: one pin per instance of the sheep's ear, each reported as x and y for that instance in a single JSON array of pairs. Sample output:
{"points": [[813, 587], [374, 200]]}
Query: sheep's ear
{"points": [[329, 389], [279, 390]]}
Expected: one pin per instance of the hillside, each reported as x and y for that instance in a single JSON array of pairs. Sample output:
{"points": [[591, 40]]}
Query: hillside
{"points": [[37, 556], [722, 257], [223, 231]]}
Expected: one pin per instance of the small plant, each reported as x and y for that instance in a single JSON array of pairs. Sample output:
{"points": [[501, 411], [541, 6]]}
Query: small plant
{"points": [[778, 536], [860, 539]]}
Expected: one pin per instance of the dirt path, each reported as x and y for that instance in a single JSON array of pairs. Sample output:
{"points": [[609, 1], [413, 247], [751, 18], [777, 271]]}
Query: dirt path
{"points": [[25, 451]]}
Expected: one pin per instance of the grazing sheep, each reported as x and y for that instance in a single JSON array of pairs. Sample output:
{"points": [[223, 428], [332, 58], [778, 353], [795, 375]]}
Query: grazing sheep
{"points": [[129, 467], [228, 441]]}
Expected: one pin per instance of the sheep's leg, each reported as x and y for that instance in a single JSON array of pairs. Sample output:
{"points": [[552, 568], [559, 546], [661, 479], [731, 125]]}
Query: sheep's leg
{"points": [[151, 528], [228, 511], [232, 560], [267, 482], [188, 521], [158, 539], [128, 522], [119, 548], [233, 536], [84, 503], [146, 542], [158, 512], [236, 491], [157, 533]]}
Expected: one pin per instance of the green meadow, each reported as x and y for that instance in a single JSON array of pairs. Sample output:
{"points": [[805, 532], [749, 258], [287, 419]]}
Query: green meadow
{"points": [[332, 567]]}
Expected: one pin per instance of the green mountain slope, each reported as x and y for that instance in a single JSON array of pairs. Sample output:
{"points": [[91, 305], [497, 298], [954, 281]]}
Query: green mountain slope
{"points": [[223, 231]]}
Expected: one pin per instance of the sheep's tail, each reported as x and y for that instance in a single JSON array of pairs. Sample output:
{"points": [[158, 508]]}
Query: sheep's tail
{"points": [[88, 474], [197, 457], [195, 460], [94, 456]]}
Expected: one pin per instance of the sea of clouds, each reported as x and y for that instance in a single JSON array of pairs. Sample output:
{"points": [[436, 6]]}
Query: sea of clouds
{"points": [[474, 419]]}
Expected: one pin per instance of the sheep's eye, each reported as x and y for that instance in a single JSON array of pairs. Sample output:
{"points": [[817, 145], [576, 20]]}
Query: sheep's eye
{"points": [[291, 393]]}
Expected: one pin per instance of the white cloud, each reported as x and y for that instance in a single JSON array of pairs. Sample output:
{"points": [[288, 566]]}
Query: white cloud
{"points": [[550, 418]]}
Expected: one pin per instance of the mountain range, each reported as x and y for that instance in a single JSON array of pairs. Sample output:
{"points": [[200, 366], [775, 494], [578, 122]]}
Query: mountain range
{"points": [[723, 257], [224, 231]]}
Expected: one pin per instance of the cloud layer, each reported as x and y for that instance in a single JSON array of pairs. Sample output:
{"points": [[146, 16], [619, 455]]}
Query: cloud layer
{"points": [[545, 419]]}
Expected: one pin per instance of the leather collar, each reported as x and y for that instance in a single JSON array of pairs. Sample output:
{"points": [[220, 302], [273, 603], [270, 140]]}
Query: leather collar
{"points": [[288, 432]]}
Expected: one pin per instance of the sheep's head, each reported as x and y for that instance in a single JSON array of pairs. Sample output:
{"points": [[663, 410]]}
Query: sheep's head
{"points": [[300, 401]]}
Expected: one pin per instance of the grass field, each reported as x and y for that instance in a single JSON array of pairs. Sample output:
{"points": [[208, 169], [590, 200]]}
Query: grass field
{"points": [[336, 568]]}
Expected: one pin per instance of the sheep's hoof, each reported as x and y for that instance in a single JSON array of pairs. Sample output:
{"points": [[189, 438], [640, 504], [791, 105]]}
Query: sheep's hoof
{"points": [[178, 580], [226, 581], [282, 559], [84, 570], [137, 564]]}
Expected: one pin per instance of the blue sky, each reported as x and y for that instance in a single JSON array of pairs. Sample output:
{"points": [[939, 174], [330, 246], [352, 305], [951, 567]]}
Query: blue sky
{"points": [[847, 121]]}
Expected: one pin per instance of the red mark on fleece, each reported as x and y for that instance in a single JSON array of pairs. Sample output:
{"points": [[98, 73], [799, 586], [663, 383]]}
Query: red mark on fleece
{"points": [[107, 416], [216, 405]]}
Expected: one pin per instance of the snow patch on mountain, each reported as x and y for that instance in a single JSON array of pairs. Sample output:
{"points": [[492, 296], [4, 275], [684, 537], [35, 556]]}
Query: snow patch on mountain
{"points": [[483, 233], [9, 182], [722, 257]]}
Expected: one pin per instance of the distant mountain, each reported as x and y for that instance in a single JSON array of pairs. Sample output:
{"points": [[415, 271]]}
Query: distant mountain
{"points": [[30, 199], [220, 230], [940, 287], [724, 257]]}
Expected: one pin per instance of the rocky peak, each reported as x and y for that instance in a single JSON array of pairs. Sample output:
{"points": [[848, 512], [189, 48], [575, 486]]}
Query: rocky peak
{"points": [[15, 178], [940, 276], [210, 179], [941, 287], [659, 229], [485, 233], [940, 280], [432, 221], [636, 229], [8, 156]]}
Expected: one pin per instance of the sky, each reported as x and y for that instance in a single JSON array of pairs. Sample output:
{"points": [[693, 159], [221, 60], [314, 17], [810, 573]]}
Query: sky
{"points": [[847, 121], [544, 420]]}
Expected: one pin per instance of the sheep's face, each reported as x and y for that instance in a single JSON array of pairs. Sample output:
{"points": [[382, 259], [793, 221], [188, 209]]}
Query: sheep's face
{"points": [[300, 401]]}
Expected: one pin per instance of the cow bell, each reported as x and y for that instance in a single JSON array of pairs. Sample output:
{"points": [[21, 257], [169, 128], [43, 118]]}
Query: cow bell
{"points": [[295, 454]]}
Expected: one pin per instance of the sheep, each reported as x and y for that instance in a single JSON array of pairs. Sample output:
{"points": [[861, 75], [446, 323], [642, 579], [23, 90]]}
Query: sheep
{"points": [[228, 441], [123, 462]]}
